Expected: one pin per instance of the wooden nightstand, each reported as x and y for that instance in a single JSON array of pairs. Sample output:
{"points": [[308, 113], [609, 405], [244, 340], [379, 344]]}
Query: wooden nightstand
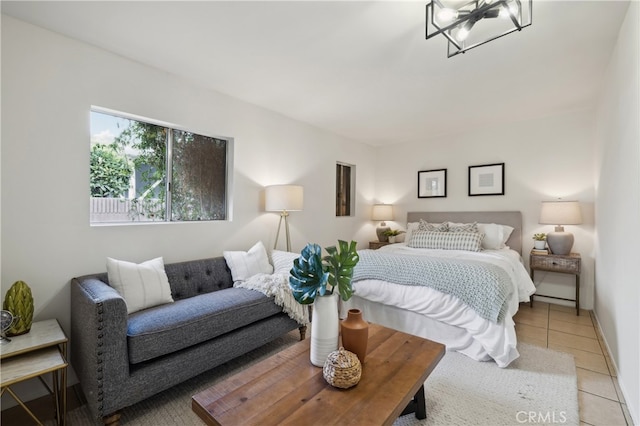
{"points": [[374, 245], [564, 264]]}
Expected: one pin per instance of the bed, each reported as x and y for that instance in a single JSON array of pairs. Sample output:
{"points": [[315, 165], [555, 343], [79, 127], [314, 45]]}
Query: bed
{"points": [[481, 332]]}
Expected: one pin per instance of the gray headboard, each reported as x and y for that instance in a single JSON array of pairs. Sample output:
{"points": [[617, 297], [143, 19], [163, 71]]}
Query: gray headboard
{"points": [[513, 219]]}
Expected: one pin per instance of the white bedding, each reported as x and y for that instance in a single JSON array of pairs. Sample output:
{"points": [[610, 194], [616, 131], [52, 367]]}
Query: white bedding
{"points": [[429, 313]]}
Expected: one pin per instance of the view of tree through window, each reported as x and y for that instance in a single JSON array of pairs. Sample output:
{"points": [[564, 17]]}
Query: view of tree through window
{"points": [[345, 184], [145, 172]]}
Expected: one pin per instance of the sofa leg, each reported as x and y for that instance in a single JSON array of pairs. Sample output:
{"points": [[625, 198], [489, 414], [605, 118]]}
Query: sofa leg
{"points": [[112, 419], [303, 332]]}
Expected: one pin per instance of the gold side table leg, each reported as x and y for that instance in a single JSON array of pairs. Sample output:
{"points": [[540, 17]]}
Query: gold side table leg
{"points": [[19, 401]]}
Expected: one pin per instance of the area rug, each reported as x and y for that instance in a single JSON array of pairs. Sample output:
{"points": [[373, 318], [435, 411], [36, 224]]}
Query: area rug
{"points": [[540, 387]]}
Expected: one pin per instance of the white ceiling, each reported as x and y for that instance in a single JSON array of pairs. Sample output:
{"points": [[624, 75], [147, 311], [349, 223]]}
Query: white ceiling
{"points": [[359, 69]]}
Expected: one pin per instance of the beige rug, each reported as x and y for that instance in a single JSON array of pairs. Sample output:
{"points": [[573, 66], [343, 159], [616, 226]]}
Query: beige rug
{"points": [[538, 388]]}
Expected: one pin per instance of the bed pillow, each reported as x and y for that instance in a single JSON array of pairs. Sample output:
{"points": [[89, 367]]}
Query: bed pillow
{"points": [[469, 241], [141, 285], [428, 226], [495, 235], [245, 264], [283, 261], [463, 227]]}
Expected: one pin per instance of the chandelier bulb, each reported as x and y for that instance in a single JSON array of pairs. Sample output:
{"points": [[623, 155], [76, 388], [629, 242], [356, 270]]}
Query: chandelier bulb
{"points": [[447, 15], [462, 34]]}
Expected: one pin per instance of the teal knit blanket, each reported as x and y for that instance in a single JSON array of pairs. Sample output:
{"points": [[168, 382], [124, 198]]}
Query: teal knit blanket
{"points": [[484, 287]]}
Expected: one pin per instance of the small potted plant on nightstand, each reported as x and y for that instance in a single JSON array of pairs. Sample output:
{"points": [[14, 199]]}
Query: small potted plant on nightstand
{"points": [[392, 234], [539, 241]]}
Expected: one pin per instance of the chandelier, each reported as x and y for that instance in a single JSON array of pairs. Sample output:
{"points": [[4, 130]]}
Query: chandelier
{"points": [[469, 25]]}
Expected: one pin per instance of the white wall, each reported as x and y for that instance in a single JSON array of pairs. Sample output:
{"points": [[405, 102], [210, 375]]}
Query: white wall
{"points": [[617, 302], [49, 83], [544, 158]]}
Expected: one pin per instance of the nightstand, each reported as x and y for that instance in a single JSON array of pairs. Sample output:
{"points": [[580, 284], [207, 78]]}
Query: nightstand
{"points": [[374, 245], [564, 264]]}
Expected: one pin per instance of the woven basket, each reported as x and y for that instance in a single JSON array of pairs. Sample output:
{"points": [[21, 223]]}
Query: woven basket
{"points": [[342, 369]]}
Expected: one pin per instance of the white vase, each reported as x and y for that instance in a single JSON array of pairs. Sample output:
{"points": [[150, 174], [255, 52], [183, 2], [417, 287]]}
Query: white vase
{"points": [[540, 245], [325, 328], [392, 239]]}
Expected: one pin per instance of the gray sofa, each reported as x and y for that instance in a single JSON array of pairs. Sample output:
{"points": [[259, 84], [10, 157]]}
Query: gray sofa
{"points": [[122, 359]]}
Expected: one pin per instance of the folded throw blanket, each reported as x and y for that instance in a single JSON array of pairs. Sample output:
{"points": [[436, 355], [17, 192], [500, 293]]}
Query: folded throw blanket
{"points": [[277, 286], [484, 287]]}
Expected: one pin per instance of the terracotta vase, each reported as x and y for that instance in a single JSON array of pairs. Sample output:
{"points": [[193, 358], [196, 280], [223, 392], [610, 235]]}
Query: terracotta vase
{"points": [[325, 328], [355, 333]]}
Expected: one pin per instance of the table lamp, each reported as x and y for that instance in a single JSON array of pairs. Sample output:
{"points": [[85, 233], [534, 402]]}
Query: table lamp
{"points": [[283, 199], [560, 213], [382, 212]]}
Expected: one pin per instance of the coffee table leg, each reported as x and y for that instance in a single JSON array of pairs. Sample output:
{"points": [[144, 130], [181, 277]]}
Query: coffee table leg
{"points": [[421, 405], [417, 405]]}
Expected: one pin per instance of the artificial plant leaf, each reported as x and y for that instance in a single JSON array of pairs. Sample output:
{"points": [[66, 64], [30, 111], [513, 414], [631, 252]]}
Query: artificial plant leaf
{"points": [[307, 277], [339, 264]]}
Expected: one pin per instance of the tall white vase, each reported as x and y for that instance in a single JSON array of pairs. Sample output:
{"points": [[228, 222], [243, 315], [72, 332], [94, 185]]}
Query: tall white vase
{"points": [[325, 328]]}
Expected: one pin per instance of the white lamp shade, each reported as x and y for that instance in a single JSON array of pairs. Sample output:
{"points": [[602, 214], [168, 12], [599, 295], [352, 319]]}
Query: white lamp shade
{"points": [[382, 212], [560, 213], [283, 197]]}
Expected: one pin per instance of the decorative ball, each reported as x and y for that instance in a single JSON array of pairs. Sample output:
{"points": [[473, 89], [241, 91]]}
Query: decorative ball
{"points": [[342, 369]]}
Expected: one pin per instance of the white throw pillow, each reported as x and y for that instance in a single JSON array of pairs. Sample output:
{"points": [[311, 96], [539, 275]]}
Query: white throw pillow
{"points": [[411, 227], [245, 264], [283, 261], [495, 235], [141, 285]]}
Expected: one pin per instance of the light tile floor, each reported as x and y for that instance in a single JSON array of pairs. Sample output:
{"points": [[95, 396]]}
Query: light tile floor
{"points": [[559, 328]]}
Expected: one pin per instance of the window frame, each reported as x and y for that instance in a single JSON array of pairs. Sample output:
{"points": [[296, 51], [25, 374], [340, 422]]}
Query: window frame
{"points": [[169, 169]]}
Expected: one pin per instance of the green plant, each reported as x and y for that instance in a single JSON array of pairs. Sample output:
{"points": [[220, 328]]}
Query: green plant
{"points": [[110, 171], [540, 237], [393, 232], [314, 275]]}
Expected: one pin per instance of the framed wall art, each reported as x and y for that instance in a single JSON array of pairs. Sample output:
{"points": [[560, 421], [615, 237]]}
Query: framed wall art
{"points": [[487, 179], [432, 183]]}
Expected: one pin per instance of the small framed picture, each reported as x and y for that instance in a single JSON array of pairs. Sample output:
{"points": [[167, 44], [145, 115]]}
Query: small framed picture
{"points": [[487, 179], [432, 183]]}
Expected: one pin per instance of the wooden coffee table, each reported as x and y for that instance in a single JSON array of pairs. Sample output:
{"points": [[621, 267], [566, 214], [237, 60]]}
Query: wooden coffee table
{"points": [[287, 389]]}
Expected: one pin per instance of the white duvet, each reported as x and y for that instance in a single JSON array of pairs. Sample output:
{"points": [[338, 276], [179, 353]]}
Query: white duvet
{"points": [[446, 318]]}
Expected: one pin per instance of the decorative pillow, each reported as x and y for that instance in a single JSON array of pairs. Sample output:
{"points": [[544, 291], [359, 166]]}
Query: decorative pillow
{"points": [[495, 235], [470, 241], [438, 227], [411, 227], [141, 285], [283, 261], [463, 227], [245, 264]]}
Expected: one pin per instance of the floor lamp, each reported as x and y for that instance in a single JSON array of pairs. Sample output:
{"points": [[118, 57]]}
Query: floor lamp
{"points": [[283, 199]]}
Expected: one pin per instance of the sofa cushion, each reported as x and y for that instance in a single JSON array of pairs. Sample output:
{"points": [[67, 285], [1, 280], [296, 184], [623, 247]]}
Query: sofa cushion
{"points": [[168, 328], [245, 264], [141, 285]]}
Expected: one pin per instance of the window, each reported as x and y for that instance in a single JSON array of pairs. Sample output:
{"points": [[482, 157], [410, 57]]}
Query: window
{"points": [[144, 172], [345, 187]]}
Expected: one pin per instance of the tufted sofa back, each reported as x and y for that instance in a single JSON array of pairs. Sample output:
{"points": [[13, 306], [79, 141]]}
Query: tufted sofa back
{"points": [[190, 278]]}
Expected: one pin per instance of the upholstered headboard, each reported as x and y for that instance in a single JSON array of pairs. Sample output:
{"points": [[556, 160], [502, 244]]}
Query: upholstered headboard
{"points": [[513, 219]]}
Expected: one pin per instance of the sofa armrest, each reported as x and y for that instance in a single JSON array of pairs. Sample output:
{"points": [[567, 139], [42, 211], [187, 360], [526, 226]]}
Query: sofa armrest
{"points": [[98, 345]]}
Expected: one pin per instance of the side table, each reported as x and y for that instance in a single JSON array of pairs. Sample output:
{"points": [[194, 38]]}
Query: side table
{"points": [[375, 245], [564, 264], [40, 351]]}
